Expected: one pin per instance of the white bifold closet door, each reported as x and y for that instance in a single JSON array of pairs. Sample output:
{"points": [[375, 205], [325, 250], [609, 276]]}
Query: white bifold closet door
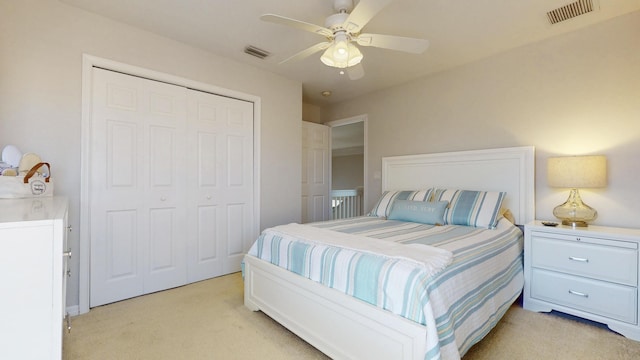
{"points": [[171, 182]]}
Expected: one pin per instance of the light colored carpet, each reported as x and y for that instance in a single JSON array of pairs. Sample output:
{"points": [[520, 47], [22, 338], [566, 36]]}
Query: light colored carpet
{"points": [[207, 320]]}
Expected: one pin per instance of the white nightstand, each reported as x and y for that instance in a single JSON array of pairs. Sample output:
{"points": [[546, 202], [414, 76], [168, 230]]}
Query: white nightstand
{"points": [[587, 272]]}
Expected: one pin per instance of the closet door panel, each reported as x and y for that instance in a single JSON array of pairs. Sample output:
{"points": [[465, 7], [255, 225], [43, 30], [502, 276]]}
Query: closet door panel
{"points": [[161, 163], [205, 220], [239, 185], [121, 154], [236, 160], [207, 250], [236, 223], [121, 239], [163, 251], [116, 129], [206, 156], [221, 130], [137, 156], [165, 195]]}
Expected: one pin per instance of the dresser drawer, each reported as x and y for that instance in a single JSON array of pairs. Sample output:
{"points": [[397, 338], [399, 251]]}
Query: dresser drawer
{"points": [[602, 262], [597, 297]]}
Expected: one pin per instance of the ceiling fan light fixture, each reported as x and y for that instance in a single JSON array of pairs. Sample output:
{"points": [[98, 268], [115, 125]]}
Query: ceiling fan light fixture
{"points": [[341, 47], [335, 58], [355, 56], [343, 29]]}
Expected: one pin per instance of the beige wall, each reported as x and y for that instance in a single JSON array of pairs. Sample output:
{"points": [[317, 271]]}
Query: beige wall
{"points": [[347, 172], [575, 94], [41, 48], [311, 113]]}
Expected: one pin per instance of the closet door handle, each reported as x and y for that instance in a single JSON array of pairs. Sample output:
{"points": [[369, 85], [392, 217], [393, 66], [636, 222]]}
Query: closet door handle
{"points": [[67, 254]]}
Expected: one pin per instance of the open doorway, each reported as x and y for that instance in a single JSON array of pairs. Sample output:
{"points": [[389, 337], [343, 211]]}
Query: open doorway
{"points": [[348, 166]]}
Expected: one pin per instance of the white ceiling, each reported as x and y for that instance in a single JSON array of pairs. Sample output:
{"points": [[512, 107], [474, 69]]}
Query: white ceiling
{"points": [[460, 31]]}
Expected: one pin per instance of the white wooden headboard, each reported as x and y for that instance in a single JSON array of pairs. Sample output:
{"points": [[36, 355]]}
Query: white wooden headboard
{"points": [[506, 169]]}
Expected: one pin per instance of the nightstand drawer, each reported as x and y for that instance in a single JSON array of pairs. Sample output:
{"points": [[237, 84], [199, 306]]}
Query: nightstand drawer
{"points": [[602, 262], [597, 297]]}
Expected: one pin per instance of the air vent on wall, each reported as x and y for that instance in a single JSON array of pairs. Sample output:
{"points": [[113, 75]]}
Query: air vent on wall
{"points": [[570, 11], [257, 52]]}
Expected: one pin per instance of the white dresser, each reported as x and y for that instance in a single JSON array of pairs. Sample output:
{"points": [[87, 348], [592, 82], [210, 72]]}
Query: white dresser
{"points": [[33, 273], [587, 272]]}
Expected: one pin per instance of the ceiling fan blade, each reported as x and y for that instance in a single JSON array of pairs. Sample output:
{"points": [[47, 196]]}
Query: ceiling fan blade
{"points": [[307, 52], [277, 19], [406, 44], [362, 13], [355, 72]]}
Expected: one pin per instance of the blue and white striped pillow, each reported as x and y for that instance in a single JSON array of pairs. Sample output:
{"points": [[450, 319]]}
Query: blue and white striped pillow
{"points": [[471, 208], [385, 203]]}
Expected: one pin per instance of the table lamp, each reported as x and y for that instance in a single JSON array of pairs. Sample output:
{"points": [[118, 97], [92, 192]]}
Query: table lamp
{"points": [[576, 172]]}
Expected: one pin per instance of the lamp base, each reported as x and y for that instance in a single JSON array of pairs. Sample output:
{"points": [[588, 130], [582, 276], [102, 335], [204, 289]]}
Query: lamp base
{"points": [[575, 223], [574, 212]]}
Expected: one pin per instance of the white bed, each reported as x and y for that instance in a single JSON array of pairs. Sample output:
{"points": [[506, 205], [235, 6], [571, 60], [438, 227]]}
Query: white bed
{"points": [[344, 327]]}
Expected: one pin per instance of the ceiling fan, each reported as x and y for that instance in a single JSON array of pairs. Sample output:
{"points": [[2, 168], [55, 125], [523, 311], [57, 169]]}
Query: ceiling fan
{"points": [[344, 28]]}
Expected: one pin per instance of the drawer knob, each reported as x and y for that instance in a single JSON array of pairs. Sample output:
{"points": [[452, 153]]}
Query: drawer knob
{"points": [[573, 258], [577, 293]]}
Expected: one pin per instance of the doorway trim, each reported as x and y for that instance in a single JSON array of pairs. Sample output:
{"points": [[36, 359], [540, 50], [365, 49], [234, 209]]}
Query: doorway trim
{"points": [[365, 125], [88, 63]]}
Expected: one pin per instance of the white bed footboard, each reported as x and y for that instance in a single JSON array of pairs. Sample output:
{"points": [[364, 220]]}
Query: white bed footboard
{"points": [[339, 325]]}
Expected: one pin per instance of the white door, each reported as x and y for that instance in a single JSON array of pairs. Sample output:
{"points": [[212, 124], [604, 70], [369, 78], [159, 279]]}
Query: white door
{"points": [[138, 187], [316, 183], [220, 184]]}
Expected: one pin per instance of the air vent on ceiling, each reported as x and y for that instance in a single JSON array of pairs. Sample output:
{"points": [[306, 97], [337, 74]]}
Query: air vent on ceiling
{"points": [[254, 51], [570, 11]]}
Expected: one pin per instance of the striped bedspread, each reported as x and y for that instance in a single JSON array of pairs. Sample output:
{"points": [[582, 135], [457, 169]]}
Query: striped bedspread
{"points": [[458, 303]]}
